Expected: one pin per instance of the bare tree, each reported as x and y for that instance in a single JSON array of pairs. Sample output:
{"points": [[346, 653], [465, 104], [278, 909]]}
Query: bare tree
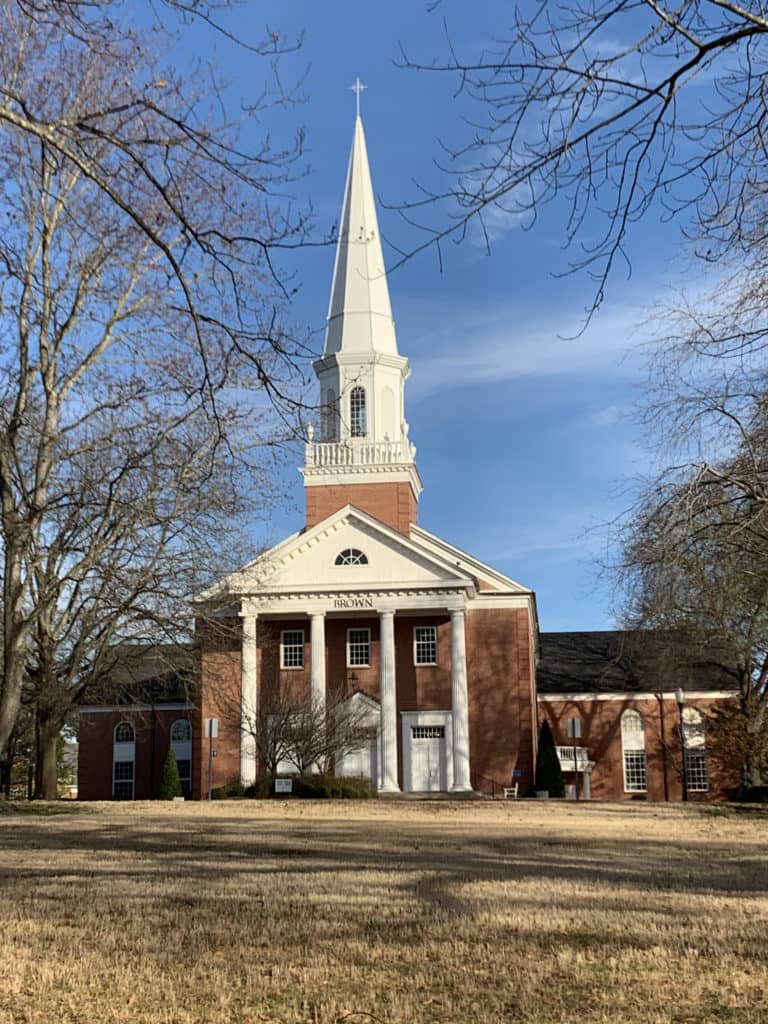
{"points": [[695, 563], [618, 108], [142, 313], [308, 734]]}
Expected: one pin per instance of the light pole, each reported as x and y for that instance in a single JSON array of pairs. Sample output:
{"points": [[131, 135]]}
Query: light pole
{"points": [[680, 699]]}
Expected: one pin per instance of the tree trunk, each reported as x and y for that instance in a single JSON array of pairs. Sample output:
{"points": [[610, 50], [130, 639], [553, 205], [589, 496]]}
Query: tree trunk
{"points": [[47, 773]]}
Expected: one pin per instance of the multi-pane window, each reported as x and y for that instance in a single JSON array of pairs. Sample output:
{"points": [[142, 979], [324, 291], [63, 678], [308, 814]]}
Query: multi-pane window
{"points": [[695, 751], [292, 648], [123, 758], [425, 645], [122, 786], [124, 733], [358, 647], [351, 556], [696, 768], [181, 731], [635, 771], [633, 749], [428, 732], [357, 417], [181, 742]]}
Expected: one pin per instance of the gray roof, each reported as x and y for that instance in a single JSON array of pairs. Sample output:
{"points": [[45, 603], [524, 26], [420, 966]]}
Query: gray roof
{"points": [[146, 674], [603, 661]]}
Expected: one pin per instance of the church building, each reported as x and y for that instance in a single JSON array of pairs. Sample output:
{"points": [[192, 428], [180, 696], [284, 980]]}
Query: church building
{"points": [[363, 600], [365, 608]]}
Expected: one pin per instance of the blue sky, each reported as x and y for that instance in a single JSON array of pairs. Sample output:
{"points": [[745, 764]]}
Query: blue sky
{"points": [[525, 439]]}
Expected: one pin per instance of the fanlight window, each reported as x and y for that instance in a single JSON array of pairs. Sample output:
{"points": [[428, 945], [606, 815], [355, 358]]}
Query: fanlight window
{"points": [[351, 556], [124, 733], [181, 731], [357, 417]]}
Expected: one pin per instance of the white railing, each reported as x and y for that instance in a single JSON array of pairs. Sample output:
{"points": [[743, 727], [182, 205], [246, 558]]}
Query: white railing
{"points": [[358, 452], [573, 755]]}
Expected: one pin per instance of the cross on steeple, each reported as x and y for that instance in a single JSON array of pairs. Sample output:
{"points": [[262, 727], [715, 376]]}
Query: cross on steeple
{"points": [[357, 88]]}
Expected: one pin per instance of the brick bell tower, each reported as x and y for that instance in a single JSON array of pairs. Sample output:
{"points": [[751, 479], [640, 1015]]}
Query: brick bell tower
{"points": [[363, 456]]}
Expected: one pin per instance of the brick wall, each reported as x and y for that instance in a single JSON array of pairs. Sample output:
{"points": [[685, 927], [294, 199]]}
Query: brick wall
{"points": [[392, 503], [95, 754], [500, 682], [601, 735]]}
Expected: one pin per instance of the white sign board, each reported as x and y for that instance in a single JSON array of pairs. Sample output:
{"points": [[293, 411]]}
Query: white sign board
{"points": [[211, 728], [283, 785]]}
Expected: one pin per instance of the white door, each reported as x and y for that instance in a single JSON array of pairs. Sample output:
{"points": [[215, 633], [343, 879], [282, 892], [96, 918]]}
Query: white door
{"points": [[360, 763], [428, 758]]}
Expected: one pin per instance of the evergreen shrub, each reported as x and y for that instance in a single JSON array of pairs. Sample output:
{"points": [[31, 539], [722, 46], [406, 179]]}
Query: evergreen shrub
{"points": [[171, 784], [549, 774]]}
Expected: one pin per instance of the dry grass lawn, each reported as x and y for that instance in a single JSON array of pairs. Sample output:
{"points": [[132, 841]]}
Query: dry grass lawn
{"points": [[391, 912]]}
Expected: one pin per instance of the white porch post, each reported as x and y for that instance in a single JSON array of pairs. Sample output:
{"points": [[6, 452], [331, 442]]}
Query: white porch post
{"points": [[388, 704], [459, 704], [317, 657], [249, 702]]}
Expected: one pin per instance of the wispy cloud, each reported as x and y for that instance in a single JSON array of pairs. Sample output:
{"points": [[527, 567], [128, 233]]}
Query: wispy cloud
{"points": [[506, 345]]}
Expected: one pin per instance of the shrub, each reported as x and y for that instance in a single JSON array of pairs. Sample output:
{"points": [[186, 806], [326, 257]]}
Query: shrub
{"points": [[549, 774], [171, 785]]}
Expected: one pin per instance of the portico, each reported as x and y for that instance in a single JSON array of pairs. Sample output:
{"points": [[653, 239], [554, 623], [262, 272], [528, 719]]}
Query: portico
{"points": [[348, 608]]}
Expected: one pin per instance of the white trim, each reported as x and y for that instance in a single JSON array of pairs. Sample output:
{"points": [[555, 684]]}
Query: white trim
{"points": [[131, 709], [498, 599], [242, 581], [442, 548], [411, 718], [631, 695]]}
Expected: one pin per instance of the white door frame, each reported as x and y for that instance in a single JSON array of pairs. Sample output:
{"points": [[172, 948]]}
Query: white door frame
{"points": [[411, 718]]}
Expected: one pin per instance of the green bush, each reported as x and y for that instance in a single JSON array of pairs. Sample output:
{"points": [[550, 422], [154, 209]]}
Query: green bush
{"points": [[171, 784], [549, 774], [307, 787], [328, 787]]}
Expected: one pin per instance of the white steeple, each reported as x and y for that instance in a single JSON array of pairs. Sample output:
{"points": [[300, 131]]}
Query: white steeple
{"points": [[363, 434], [359, 314]]}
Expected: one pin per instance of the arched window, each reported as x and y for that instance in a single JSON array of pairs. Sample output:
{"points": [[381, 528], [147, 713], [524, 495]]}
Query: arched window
{"points": [[357, 417], [351, 556], [181, 731], [123, 761], [695, 751], [124, 733], [633, 751], [181, 742]]}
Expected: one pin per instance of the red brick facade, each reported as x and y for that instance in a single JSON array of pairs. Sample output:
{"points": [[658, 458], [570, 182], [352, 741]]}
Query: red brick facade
{"points": [[392, 503], [500, 684], [152, 728], [601, 735]]}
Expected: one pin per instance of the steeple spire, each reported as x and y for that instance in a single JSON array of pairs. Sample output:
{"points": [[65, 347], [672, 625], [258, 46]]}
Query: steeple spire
{"points": [[363, 456], [359, 315]]}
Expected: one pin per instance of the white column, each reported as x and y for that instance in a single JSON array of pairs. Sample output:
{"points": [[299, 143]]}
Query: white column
{"points": [[317, 657], [249, 702], [388, 704], [459, 704], [317, 665]]}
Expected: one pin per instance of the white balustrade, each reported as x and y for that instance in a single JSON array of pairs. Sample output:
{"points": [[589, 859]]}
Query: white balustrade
{"points": [[359, 452], [568, 756]]}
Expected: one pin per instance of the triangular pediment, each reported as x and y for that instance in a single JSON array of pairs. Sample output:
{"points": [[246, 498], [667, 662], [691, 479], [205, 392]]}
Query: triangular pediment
{"points": [[309, 561]]}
